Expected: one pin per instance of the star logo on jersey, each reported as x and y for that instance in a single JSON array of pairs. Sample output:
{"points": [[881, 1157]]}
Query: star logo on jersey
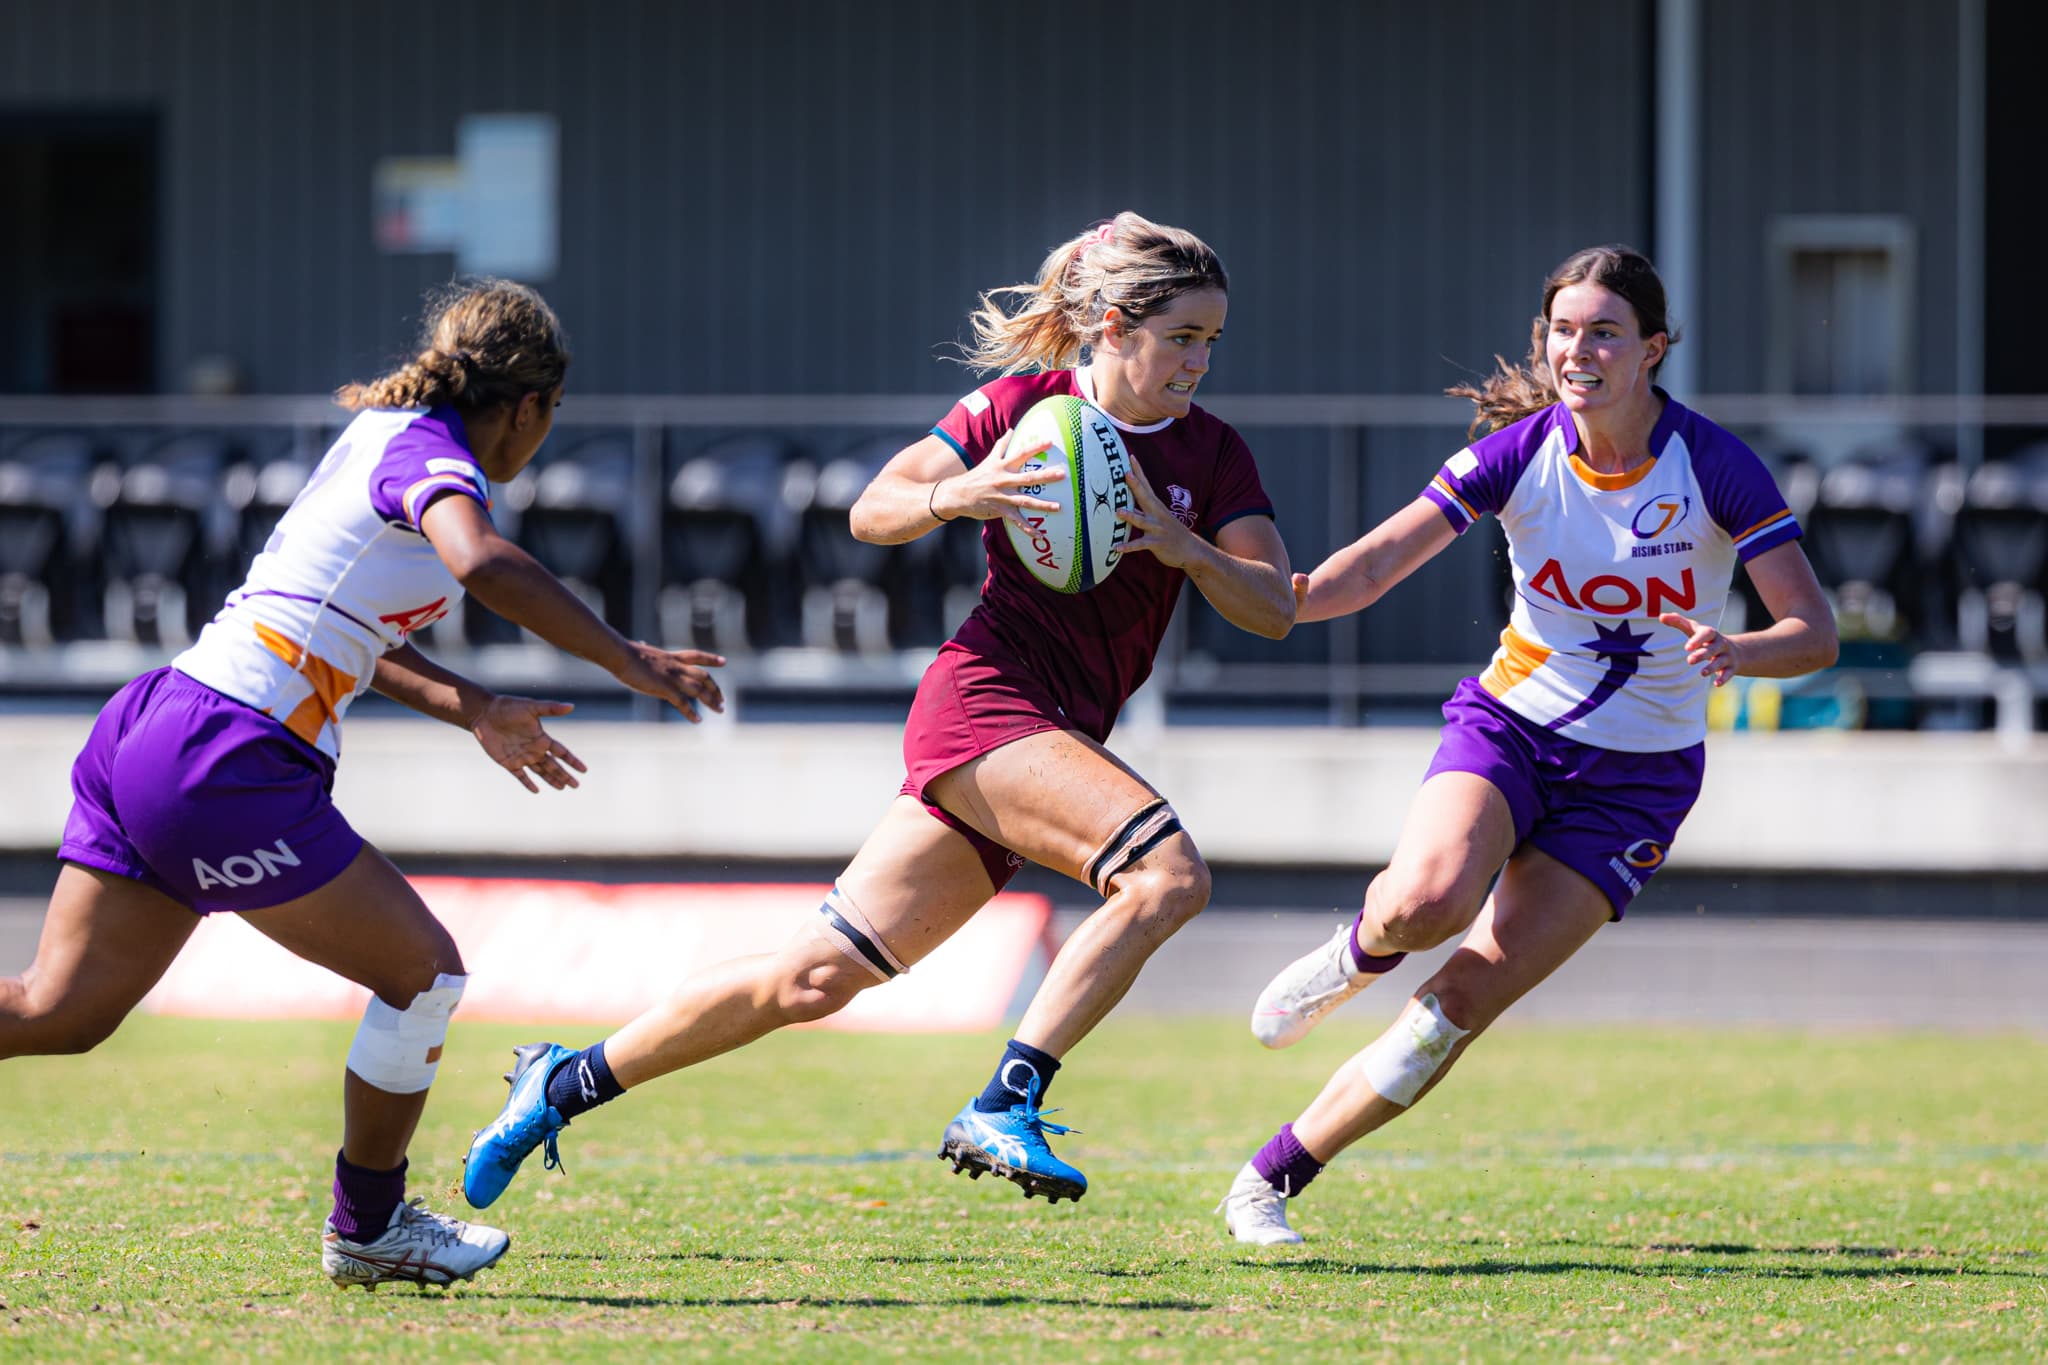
{"points": [[1623, 649], [1618, 642]]}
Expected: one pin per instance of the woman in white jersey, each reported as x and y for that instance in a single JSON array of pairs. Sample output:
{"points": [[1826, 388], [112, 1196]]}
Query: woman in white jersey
{"points": [[205, 785], [1566, 767]]}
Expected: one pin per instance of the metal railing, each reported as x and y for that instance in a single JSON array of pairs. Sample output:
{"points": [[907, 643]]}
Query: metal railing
{"points": [[1347, 422]]}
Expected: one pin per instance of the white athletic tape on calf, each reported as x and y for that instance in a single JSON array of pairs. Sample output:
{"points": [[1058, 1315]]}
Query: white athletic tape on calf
{"points": [[398, 1051], [1403, 1059]]}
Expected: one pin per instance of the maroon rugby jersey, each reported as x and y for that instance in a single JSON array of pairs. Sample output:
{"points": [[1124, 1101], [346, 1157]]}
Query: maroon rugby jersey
{"points": [[1093, 649]]}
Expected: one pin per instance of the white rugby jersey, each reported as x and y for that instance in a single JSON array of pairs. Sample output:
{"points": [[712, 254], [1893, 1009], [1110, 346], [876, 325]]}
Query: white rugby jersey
{"points": [[1597, 557], [345, 577]]}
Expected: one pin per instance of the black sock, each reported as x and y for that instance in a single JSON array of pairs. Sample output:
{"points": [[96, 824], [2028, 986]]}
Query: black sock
{"points": [[582, 1082], [1011, 1084]]}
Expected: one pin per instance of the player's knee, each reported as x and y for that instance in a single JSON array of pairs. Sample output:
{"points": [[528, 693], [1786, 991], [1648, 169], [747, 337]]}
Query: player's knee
{"points": [[818, 990], [400, 982], [1170, 890], [1411, 915]]}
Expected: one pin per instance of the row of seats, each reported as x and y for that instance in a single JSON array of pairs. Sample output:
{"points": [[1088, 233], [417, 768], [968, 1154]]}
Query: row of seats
{"points": [[1928, 553], [138, 538]]}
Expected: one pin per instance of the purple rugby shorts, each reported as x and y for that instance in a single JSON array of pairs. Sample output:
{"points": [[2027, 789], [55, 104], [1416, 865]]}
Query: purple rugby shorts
{"points": [[209, 801], [1608, 815]]}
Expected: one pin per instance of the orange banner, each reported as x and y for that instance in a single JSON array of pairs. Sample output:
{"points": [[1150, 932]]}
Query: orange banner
{"points": [[590, 953]]}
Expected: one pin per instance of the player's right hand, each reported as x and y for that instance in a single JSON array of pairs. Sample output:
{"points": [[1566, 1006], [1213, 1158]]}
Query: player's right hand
{"points": [[994, 488], [677, 676]]}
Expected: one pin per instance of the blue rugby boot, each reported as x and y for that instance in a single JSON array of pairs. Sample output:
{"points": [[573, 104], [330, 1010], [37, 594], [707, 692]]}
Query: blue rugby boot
{"points": [[527, 1121], [1011, 1144]]}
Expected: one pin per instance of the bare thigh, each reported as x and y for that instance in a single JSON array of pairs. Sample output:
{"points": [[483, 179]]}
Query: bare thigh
{"points": [[1055, 797], [915, 880], [369, 926], [1539, 915], [1458, 832], [105, 941]]}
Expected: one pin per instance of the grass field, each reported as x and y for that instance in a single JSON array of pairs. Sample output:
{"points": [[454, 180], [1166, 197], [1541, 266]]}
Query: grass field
{"points": [[1567, 1195]]}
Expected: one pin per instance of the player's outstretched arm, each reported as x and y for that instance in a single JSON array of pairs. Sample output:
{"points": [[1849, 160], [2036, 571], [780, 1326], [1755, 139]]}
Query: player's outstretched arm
{"points": [[513, 583], [1360, 574], [508, 728], [923, 486], [1801, 638]]}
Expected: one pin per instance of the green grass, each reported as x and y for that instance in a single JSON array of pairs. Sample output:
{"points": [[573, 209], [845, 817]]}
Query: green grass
{"points": [[1614, 1195]]}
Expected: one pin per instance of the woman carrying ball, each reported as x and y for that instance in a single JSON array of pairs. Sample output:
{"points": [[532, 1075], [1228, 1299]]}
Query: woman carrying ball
{"points": [[204, 787], [1004, 744], [1566, 767]]}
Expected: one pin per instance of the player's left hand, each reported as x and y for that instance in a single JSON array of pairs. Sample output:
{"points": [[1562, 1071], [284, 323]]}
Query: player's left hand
{"points": [[509, 730], [1159, 532], [1706, 646]]}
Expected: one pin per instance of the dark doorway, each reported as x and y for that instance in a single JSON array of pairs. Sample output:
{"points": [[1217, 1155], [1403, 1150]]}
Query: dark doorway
{"points": [[2015, 269], [78, 258]]}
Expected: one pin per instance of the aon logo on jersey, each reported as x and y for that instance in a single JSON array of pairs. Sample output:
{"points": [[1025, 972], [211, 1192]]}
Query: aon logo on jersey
{"points": [[245, 869], [1612, 595]]}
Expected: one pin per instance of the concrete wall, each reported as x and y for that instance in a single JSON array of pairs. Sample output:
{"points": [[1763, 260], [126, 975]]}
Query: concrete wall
{"points": [[1956, 803]]}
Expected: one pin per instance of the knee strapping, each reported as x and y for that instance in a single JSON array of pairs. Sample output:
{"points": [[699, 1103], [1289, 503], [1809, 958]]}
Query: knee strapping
{"points": [[398, 1051], [1399, 1064], [848, 930], [1133, 839]]}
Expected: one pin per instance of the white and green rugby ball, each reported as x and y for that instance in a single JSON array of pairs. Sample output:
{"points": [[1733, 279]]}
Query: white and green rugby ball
{"points": [[1074, 548]]}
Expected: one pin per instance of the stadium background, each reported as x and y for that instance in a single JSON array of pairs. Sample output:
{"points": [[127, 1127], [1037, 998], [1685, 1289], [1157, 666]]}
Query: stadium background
{"points": [[763, 226]]}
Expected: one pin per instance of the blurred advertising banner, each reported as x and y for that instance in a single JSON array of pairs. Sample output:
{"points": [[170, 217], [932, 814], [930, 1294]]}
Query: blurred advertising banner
{"points": [[591, 953]]}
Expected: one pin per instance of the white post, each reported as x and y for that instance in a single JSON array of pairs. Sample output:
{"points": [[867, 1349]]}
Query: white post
{"points": [[1676, 250]]}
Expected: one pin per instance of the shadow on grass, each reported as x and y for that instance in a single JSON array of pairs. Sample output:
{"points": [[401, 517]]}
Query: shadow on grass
{"points": [[1662, 1270], [862, 1301]]}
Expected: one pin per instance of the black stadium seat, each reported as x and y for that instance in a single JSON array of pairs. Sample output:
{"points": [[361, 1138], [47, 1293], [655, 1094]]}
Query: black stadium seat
{"points": [[164, 525], [2001, 553], [847, 583], [579, 521], [1863, 521], [47, 520], [726, 541]]}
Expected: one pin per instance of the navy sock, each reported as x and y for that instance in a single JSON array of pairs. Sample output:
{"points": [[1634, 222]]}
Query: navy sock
{"points": [[1010, 1086], [364, 1199], [582, 1082], [1285, 1163], [1362, 961]]}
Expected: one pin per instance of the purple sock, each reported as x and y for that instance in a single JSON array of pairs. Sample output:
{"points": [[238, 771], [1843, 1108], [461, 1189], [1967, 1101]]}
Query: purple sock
{"points": [[363, 1200], [1286, 1164], [1362, 961], [582, 1083]]}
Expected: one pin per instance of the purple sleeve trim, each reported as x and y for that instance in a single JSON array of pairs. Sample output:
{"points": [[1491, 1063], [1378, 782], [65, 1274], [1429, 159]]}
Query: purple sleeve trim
{"points": [[1454, 512]]}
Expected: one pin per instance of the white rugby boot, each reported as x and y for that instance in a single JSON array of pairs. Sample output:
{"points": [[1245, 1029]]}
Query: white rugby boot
{"points": [[1305, 990], [418, 1246], [1255, 1212]]}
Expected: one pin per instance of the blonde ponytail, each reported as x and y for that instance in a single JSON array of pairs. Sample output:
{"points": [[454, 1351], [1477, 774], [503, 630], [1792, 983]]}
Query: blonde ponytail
{"points": [[1130, 263]]}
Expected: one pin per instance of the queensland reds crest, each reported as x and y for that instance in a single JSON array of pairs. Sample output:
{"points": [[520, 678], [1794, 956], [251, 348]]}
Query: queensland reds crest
{"points": [[1183, 505]]}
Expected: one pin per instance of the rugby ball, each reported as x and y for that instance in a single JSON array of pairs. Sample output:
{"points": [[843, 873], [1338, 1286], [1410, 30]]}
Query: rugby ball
{"points": [[1074, 548]]}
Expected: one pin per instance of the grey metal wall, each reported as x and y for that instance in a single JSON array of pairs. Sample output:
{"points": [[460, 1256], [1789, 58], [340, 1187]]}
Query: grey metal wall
{"points": [[1824, 107], [787, 196]]}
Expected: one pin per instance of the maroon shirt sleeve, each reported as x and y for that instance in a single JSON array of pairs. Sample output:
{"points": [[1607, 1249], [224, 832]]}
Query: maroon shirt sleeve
{"points": [[1237, 491]]}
